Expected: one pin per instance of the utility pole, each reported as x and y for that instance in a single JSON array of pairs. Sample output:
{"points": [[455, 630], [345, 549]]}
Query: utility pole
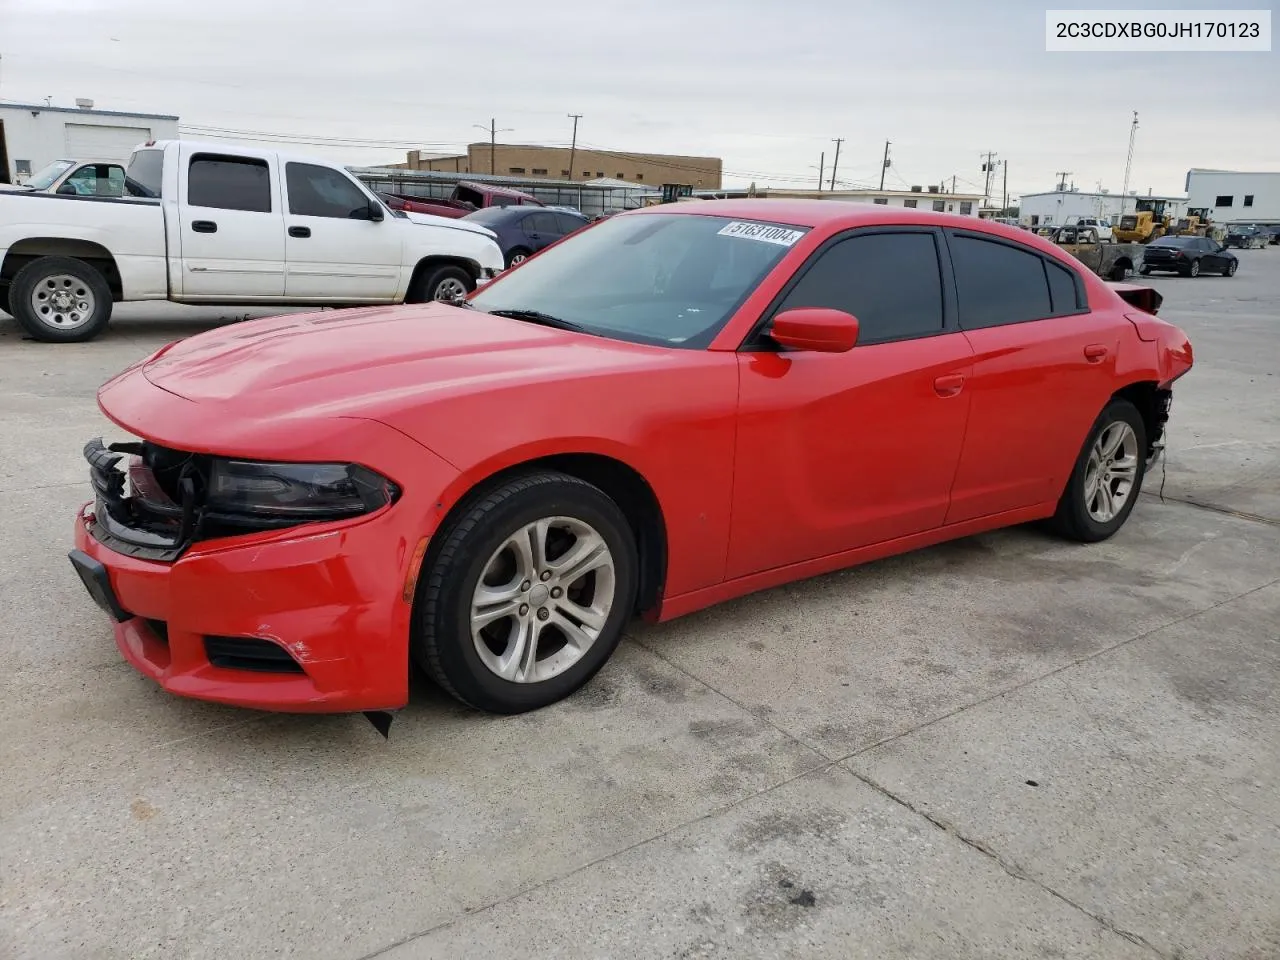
{"points": [[1004, 210], [953, 183], [836, 162], [884, 166], [573, 147], [493, 131], [1128, 163], [822, 165], [987, 168], [1062, 179]]}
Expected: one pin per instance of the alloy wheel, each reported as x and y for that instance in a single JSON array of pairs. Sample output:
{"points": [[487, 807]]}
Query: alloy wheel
{"points": [[1111, 471]]}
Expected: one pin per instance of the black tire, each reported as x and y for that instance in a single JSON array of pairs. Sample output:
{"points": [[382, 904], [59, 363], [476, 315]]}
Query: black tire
{"points": [[1119, 272], [1193, 270], [1144, 270], [37, 325], [4, 300], [1230, 269], [1072, 518], [441, 641], [516, 254], [427, 286]]}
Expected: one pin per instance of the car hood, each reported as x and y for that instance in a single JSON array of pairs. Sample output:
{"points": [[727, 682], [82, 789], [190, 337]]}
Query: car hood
{"points": [[429, 220], [379, 361]]}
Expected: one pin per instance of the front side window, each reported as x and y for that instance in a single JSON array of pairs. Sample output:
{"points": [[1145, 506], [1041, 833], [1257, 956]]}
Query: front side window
{"points": [[541, 224], [229, 183], [890, 281], [660, 278], [316, 191], [97, 180], [997, 283]]}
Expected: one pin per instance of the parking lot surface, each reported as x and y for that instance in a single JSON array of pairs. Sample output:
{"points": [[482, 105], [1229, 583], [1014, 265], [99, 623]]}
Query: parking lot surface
{"points": [[1007, 746]]}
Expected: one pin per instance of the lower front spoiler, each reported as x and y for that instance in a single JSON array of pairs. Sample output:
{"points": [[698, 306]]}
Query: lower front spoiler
{"points": [[351, 649]]}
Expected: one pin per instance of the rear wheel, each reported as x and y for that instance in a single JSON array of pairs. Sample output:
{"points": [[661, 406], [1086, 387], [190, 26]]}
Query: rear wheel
{"points": [[1144, 270], [1107, 477], [528, 595], [518, 255], [1120, 271], [60, 300]]}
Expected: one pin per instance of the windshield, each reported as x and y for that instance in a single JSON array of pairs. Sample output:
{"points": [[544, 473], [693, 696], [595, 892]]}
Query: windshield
{"points": [[670, 279], [43, 178]]}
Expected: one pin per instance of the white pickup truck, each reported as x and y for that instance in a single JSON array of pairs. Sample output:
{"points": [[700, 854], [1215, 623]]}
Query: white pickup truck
{"points": [[213, 224]]}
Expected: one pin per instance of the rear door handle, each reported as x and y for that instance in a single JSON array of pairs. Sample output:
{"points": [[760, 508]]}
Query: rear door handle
{"points": [[300, 232], [204, 226], [1095, 352], [949, 385]]}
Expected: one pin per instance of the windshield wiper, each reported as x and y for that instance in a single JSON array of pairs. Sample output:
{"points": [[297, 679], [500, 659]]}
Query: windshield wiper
{"points": [[537, 316]]}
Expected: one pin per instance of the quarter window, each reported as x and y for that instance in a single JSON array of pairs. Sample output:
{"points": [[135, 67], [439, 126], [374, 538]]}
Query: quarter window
{"points": [[229, 183], [997, 283], [1062, 288], [316, 191], [890, 281]]}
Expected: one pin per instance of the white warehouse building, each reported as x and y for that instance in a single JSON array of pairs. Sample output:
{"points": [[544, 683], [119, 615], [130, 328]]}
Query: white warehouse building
{"points": [[1233, 196], [1055, 207], [33, 135]]}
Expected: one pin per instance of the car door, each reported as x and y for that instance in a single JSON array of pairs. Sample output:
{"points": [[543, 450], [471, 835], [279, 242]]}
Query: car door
{"points": [[841, 450], [1214, 257], [333, 250], [232, 228], [1044, 366], [541, 230]]}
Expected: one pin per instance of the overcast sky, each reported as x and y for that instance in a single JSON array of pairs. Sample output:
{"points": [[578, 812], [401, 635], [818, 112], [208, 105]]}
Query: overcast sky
{"points": [[765, 84]]}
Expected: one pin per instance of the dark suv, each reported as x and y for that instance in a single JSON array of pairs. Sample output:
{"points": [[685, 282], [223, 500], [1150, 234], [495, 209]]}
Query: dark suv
{"points": [[1189, 256]]}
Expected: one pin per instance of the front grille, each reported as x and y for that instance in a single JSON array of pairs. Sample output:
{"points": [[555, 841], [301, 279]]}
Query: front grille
{"points": [[249, 653]]}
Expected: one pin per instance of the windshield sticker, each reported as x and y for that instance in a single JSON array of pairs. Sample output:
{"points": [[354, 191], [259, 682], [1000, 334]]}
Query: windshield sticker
{"points": [[766, 233]]}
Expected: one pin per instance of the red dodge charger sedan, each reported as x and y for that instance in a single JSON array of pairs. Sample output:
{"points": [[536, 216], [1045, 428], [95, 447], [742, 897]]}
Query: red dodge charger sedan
{"points": [[673, 407]]}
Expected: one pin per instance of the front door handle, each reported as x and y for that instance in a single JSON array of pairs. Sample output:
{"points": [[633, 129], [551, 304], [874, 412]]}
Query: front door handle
{"points": [[204, 226], [949, 385], [300, 232], [1096, 352]]}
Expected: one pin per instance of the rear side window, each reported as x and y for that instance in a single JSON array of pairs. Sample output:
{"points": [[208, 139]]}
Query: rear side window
{"points": [[997, 283], [316, 191], [145, 173], [229, 183], [890, 281], [1062, 288]]}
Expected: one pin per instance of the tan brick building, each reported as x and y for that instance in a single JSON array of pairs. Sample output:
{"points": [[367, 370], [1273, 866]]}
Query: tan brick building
{"points": [[522, 160]]}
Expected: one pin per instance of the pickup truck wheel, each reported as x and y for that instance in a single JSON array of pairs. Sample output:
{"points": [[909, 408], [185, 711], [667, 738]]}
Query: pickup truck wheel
{"points": [[447, 283], [1144, 270], [1119, 272], [4, 299], [60, 300]]}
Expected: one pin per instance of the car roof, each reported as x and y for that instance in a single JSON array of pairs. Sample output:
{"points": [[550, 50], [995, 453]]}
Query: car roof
{"points": [[839, 215]]}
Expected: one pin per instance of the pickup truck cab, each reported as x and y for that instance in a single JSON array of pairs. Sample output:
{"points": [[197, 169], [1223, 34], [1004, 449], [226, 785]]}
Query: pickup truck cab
{"points": [[1111, 261], [215, 224], [1100, 226]]}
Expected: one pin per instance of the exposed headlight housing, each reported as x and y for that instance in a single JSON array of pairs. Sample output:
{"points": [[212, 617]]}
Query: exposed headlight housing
{"points": [[295, 491]]}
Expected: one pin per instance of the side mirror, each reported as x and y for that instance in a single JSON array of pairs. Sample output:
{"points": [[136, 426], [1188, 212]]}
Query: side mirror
{"points": [[375, 211], [818, 329], [67, 190]]}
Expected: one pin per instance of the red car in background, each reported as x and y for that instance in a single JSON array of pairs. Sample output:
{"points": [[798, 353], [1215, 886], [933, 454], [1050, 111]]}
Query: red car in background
{"points": [[466, 198], [671, 408]]}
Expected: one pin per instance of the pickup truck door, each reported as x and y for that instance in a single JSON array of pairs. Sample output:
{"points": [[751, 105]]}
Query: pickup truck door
{"points": [[333, 250], [232, 227]]}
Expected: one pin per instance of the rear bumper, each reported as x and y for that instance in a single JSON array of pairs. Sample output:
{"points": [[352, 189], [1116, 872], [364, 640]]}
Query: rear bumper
{"points": [[331, 598]]}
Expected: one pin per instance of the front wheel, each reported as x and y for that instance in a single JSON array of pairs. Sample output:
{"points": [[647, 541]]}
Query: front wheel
{"points": [[528, 595], [60, 300], [1194, 269], [1107, 477], [1230, 270], [446, 282]]}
